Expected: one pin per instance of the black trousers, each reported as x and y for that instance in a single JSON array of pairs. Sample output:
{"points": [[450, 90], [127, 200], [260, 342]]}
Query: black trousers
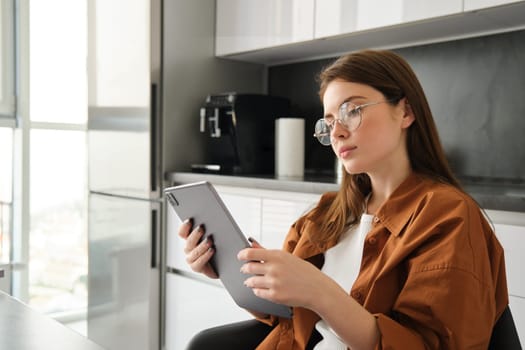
{"points": [[245, 335]]}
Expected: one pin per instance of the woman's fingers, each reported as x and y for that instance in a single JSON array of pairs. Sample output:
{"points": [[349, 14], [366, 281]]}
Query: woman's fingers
{"points": [[198, 251], [202, 257], [185, 227], [253, 268], [193, 239], [256, 254], [254, 243], [256, 282]]}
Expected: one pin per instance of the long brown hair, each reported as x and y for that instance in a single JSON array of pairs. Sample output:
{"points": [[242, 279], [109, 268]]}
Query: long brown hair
{"points": [[391, 75]]}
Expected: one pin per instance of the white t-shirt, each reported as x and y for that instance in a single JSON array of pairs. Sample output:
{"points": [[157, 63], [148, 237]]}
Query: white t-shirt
{"points": [[342, 263]]}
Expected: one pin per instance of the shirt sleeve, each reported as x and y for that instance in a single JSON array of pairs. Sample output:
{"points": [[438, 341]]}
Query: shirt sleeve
{"points": [[434, 311]]}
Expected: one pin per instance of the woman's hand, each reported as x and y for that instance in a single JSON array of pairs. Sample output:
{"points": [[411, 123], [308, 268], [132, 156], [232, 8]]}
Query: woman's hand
{"points": [[198, 253], [282, 277]]}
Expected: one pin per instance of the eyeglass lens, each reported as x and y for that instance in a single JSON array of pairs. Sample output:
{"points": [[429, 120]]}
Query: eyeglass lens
{"points": [[349, 117], [322, 132]]}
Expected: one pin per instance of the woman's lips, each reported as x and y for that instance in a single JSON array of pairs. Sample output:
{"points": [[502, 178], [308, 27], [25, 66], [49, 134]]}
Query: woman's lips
{"points": [[345, 152]]}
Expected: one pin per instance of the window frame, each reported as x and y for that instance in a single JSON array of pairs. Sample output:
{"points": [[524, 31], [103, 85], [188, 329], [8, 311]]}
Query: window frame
{"points": [[7, 63]]}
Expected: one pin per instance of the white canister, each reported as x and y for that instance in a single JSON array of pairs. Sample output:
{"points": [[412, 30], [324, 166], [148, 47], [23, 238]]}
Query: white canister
{"points": [[289, 147]]}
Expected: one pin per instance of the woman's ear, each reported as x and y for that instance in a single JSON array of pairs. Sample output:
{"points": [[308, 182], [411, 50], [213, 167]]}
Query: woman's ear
{"points": [[408, 117]]}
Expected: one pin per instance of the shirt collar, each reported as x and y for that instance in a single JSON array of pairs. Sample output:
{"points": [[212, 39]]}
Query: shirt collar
{"points": [[400, 206]]}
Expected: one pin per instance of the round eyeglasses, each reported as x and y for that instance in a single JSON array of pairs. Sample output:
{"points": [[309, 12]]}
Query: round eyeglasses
{"points": [[350, 117]]}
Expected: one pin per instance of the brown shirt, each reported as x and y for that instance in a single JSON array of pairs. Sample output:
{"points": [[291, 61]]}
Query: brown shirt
{"points": [[432, 272]]}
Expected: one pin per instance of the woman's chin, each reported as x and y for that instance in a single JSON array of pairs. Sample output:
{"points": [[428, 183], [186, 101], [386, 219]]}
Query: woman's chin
{"points": [[351, 168]]}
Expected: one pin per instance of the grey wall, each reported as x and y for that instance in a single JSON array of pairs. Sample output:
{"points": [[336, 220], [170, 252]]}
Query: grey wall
{"points": [[475, 87]]}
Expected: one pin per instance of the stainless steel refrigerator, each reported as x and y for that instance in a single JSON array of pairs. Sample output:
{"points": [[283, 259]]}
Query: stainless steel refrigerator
{"points": [[150, 66], [125, 175]]}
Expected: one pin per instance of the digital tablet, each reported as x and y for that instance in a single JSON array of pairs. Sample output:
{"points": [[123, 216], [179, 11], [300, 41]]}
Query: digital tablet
{"points": [[202, 203]]}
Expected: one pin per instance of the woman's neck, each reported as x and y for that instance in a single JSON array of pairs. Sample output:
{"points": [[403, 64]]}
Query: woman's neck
{"points": [[383, 187]]}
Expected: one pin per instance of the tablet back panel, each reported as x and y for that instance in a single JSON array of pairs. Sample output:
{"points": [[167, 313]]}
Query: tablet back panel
{"points": [[202, 203]]}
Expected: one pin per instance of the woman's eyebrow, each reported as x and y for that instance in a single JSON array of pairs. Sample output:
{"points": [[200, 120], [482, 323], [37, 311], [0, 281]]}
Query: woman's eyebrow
{"points": [[348, 99], [351, 98]]}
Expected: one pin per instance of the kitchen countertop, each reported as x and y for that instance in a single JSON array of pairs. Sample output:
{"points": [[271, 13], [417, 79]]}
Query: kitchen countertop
{"points": [[265, 182], [492, 196], [22, 328]]}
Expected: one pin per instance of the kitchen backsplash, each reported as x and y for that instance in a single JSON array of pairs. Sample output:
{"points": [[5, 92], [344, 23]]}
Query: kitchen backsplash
{"points": [[475, 87]]}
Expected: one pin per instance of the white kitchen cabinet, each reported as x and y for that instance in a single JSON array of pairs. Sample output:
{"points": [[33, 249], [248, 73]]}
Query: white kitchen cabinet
{"points": [[193, 305], [246, 25], [329, 28], [471, 5], [512, 238], [510, 230], [266, 215], [246, 210], [517, 307], [278, 215], [415, 10], [335, 17]]}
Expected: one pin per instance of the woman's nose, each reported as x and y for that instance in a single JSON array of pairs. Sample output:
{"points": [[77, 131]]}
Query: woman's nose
{"points": [[339, 131]]}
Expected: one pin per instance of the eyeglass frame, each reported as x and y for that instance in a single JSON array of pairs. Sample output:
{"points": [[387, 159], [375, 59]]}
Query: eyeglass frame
{"points": [[322, 134]]}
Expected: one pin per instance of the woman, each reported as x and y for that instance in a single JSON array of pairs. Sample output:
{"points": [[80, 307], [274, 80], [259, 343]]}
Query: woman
{"points": [[410, 261]]}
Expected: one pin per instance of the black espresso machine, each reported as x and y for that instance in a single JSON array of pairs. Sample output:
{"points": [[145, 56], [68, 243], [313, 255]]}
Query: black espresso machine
{"points": [[240, 133]]}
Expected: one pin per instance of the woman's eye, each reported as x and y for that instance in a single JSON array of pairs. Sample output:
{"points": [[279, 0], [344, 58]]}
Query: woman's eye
{"points": [[353, 112]]}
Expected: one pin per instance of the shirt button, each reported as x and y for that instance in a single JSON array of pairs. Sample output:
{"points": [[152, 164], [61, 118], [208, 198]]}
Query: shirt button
{"points": [[372, 240], [376, 219]]}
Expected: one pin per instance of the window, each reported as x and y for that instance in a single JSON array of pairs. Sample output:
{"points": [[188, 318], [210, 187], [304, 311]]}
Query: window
{"points": [[57, 158], [7, 123], [58, 242], [58, 49], [6, 192]]}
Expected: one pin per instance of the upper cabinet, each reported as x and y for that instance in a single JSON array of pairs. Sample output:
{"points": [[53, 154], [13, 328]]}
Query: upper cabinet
{"points": [[334, 17], [471, 5], [281, 31], [244, 25]]}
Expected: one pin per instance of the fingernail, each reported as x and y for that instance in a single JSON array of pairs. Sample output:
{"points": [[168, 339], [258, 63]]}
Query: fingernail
{"points": [[252, 240]]}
